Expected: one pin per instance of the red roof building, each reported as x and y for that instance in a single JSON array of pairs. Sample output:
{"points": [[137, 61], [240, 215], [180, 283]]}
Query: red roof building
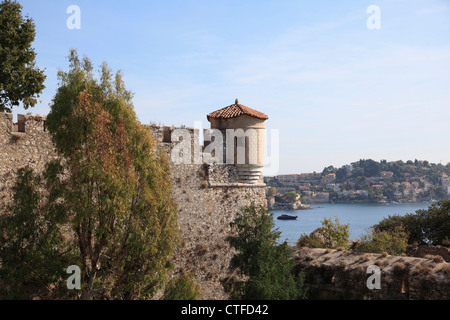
{"points": [[236, 110]]}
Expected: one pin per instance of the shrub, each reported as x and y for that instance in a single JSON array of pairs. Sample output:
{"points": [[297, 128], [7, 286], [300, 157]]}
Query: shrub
{"points": [[330, 235], [266, 266], [399, 268], [430, 226], [182, 288], [434, 258], [393, 242]]}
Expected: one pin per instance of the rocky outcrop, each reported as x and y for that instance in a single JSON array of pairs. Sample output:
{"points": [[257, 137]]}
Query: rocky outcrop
{"points": [[287, 206]]}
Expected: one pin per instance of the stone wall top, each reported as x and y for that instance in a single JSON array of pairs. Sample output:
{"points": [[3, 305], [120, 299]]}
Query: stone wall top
{"points": [[8, 126]]}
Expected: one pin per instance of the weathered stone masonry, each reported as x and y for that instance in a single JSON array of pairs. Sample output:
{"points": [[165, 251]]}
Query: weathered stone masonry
{"points": [[208, 196], [25, 143], [342, 274]]}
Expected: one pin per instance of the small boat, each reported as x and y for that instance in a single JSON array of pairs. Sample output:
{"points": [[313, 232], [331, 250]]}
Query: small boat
{"points": [[287, 217]]}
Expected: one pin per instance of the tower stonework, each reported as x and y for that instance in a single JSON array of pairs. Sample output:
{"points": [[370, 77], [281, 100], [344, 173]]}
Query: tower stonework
{"points": [[243, 133], [208, 195]]}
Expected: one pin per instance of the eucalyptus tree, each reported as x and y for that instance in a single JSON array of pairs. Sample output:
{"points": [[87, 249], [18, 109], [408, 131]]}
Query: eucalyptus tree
{"points": [[110, 189]]}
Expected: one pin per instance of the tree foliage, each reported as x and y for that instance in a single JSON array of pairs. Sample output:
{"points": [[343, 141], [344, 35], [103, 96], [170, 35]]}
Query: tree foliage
{"points": [[428, 226], [268, 266], [393, 241], [330, 235], [182, 288], [111, 186], [20, 79], [33, 254]]}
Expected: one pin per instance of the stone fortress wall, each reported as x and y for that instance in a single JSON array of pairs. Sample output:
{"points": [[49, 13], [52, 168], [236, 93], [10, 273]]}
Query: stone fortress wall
{"points": [[208, 196], [25, 143]]}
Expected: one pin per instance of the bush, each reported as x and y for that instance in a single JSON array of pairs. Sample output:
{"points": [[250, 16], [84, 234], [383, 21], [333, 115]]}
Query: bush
{"points": [[266, 266], [182, 288], [430, 226], [330, 235], [393, 241]]}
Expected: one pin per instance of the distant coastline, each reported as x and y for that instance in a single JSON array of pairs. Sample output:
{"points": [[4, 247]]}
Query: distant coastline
{"points": [[365, 181]]}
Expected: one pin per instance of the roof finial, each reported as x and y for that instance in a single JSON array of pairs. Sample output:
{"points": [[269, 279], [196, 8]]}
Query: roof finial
{"points": [[237, 101]]}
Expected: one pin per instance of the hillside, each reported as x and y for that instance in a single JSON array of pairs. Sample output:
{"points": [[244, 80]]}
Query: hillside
{"points": [[369, 181]]}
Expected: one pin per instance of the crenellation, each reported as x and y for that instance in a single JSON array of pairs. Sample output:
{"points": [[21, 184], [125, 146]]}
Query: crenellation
{"points": [[25, 143], [343, 274], [207, 195]]}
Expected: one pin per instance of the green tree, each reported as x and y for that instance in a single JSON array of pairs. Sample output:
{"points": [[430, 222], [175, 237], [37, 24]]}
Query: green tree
{"points": [[291, 196], [111, 187], [330, 235], [328, 170], [182, 288], [267, 265], [272, 192], [20, 79], [410, 223], [33, 253], [428, 226], [341, 174], [393, 241], [118, 192]]}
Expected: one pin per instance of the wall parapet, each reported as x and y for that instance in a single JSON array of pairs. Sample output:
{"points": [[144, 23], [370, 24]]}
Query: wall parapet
{"points": [[24, 121], [220, 173], [343, 274], [207, 196]]}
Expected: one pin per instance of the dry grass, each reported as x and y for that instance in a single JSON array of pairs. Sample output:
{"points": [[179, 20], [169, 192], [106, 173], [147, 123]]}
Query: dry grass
{"points": [[435, 258], [399, 268], [381, 261], [363, 258], [16, 137], [422, 268], [443, 268]]}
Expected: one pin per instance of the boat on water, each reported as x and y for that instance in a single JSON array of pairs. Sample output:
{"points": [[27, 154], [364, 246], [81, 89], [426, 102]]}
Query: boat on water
{"points": [[286, 217]]}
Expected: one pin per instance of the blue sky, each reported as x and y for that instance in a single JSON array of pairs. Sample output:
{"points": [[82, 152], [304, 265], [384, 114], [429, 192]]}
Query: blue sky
{"points": [[336, 91]]}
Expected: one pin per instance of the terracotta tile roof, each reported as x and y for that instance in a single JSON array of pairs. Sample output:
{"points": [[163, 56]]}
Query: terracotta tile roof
{"points": [[236, 110]]}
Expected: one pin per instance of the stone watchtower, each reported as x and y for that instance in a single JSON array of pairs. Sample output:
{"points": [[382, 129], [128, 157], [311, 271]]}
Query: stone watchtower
{"points": [[244, 139]]}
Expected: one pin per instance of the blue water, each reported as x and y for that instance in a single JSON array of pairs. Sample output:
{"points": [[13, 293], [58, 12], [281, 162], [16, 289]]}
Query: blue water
{"points": [[360, 217]]}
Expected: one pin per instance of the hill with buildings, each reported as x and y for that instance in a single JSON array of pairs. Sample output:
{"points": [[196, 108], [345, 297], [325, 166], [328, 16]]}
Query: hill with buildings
{"points": [[367, 181]]}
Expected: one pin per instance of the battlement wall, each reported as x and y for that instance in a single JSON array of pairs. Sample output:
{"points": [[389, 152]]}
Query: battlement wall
{"points": [[25, 143], [208, 196], [343, 274]]}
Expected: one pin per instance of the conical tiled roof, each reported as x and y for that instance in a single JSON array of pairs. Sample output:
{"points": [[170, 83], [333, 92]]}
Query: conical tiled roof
{"points": [[236, 110]]}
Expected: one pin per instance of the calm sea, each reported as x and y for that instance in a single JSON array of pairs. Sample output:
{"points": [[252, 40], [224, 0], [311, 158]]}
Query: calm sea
{"points": [[360, 217]]}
